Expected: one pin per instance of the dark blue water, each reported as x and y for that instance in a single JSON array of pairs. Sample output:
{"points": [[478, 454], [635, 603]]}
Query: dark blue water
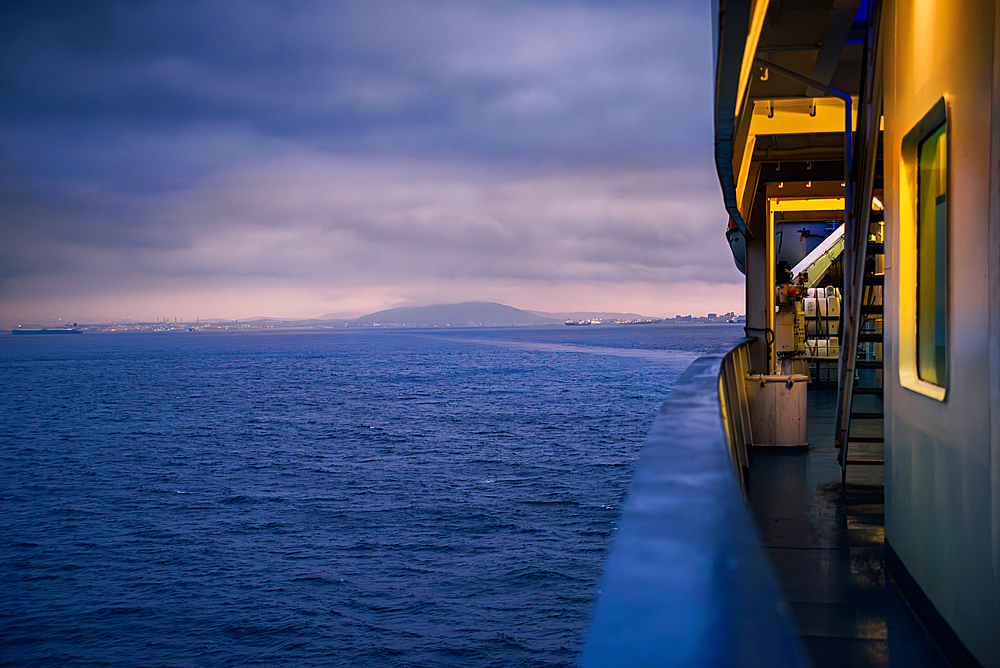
{"points": [[374, 498]]}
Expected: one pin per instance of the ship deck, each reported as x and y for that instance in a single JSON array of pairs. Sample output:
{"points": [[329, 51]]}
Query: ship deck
{"points": [[826, 544]]}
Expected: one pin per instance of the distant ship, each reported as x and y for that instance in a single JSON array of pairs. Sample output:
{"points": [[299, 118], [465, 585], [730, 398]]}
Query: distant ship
{"points": [[67, 329]]}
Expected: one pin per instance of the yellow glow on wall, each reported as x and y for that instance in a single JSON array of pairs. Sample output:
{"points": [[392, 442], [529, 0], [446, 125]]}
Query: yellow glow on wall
{"points": [[750, 50], [808, 204], [924, 15], [800, 116], [776, 117], [744, 173]]}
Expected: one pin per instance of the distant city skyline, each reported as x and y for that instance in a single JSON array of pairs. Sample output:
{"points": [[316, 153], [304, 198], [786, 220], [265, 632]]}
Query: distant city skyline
{"points": [[264, 159], [555, 317]]}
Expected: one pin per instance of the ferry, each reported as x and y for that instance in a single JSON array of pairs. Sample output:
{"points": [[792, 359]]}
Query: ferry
{"points": [[827, 491], [34, 329]]}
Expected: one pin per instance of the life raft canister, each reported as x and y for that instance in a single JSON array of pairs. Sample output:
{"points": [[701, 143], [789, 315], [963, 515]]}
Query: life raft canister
{"points": [[738, 245]]}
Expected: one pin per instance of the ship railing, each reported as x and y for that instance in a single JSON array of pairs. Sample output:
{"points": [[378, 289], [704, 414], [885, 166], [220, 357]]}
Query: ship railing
{"points": [[687, 581]]}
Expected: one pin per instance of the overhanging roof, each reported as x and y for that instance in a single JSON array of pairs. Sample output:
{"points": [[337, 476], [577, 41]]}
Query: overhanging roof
{"points": [[814, 38]]}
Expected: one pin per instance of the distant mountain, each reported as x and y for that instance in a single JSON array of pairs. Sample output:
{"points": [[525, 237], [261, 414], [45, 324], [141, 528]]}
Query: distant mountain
{"points": [[486, 314]]}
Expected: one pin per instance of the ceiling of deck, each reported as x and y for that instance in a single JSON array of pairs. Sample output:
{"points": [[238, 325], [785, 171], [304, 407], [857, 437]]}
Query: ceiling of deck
{"points": [[819, 40]]}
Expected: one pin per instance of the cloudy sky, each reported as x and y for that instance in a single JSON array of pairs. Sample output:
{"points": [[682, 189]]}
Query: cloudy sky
{"points": [[240, 158]]}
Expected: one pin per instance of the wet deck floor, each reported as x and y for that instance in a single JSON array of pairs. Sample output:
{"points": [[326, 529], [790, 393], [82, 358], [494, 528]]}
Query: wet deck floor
{"points": [[826, 545]]}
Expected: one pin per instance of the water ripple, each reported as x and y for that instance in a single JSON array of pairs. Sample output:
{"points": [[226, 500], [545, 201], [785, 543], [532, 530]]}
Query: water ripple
{"points": [[348, 498]]}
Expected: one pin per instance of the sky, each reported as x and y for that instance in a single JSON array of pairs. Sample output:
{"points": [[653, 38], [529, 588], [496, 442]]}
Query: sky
{"points": [[242, 158]]}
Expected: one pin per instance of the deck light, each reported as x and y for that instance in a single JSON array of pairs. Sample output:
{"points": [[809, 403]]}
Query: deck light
{"points": [[807, 204]]}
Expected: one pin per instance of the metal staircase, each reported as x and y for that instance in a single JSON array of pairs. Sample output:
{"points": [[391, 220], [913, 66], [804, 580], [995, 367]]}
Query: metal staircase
{"points": [[861, 346], [865, 416]]}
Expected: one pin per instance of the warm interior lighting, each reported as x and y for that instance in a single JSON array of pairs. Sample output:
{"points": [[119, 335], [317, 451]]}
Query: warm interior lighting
{"points": [[750, 51], [808, 204], [877, 204]]}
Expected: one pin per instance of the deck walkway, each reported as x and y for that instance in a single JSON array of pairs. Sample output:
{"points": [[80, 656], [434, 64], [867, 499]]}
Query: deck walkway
{"points": [[826, 545]]}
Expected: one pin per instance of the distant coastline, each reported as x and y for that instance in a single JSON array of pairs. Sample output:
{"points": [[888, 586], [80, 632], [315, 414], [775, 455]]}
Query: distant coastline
{"points": [[467, 314]]}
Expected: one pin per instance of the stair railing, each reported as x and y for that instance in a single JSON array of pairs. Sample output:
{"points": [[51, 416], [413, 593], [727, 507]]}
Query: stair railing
{"points": [[857, 212]]}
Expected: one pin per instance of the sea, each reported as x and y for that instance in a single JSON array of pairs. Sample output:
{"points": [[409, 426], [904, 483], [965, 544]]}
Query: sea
{"points": [[375, 497]]}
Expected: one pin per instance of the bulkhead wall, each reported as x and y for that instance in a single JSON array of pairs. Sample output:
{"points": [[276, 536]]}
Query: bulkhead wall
{"points": [[942, 472]]}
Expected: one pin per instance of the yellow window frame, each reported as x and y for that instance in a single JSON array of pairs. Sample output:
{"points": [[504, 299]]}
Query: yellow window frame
{"points": [[909, 376]]}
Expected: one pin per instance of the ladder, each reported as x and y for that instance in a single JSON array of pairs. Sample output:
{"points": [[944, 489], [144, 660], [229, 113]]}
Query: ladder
{"points": [[862, 313], [865, 414]]}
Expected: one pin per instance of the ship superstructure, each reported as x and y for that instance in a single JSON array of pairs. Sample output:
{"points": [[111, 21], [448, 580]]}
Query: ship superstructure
{"points": [[857, 144]]}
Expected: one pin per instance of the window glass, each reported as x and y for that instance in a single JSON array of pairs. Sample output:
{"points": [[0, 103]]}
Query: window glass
{"points": [[932, 256]]}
